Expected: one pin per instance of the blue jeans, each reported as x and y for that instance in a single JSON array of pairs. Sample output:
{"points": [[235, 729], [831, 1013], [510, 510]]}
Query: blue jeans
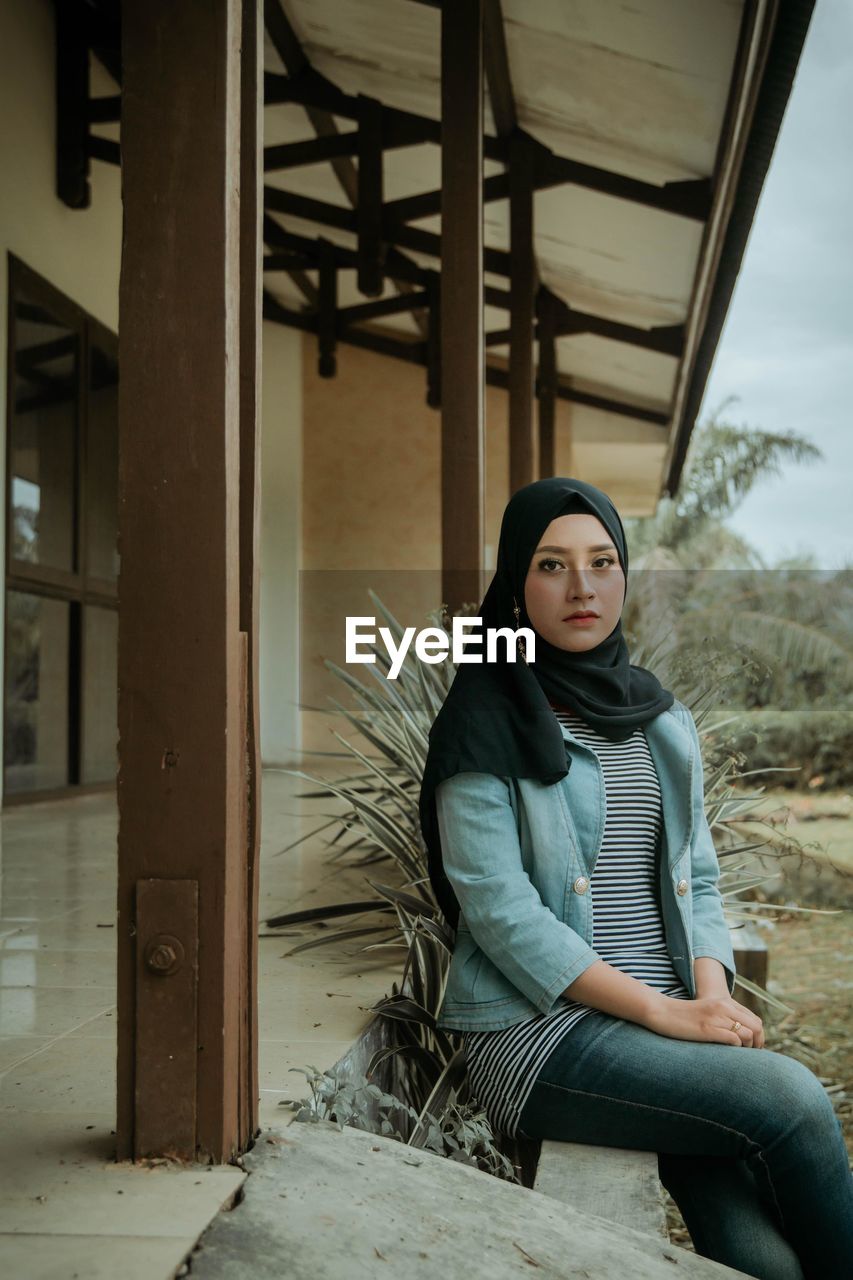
{"points": [[748, 1144]]}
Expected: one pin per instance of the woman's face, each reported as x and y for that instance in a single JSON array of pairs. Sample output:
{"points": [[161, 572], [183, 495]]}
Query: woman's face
{"points": [[575, 567]]}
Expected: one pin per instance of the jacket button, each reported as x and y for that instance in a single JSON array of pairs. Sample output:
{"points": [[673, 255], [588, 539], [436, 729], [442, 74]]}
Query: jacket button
{"points": [[681, 887], [581, 884]]}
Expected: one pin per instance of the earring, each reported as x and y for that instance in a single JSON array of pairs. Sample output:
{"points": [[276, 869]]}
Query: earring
{"points": [[520, 641]]}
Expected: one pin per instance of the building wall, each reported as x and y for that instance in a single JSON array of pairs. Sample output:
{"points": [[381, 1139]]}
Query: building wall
{"points": [[350, 466], [79, 252], [372, 510]]}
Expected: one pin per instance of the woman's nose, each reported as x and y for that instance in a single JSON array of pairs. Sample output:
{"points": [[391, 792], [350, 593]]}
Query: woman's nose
{"points": [[577, 583]]}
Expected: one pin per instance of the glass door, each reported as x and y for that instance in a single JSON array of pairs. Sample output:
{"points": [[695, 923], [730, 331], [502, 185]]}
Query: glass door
{"points": [[62, 559]]}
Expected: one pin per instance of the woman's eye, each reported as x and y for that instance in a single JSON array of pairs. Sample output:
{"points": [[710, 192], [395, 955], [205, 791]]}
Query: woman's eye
{"points": [[600, 562]]}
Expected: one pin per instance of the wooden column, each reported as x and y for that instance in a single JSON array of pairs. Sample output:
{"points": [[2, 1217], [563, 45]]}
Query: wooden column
{"points": [[327, 305], [546, 385], [433, 397], [72, 98], [462, 352], [251, 280], [187, 783], [370, 194], [522, 276]]}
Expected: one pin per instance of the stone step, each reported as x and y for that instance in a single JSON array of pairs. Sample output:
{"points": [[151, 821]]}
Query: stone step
{"points": [[611, 1182], [327, 1204]]}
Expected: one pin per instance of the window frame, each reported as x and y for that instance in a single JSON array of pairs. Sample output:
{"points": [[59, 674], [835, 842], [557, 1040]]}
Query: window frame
{"points": [[76, 586]]}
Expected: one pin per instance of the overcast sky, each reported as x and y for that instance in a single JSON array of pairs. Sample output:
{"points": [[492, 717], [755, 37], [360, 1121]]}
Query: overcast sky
{"points": [[787, 346]]}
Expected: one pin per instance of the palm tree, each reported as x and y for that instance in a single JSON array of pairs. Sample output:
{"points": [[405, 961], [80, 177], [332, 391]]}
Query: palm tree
{"points": [[724, 463], [705, 599]]}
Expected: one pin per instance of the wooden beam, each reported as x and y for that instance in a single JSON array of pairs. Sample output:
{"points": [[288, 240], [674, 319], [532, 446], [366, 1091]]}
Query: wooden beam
{"points": [[685, 199], [546, 386], [433, 358], [428, 203], [521, 288], [744, 155], [406, 275], [689, 198], [498, 376], [72, 99], [462, 353], [524, 271], [404, 236], [370, 195], [666, 339], [498, 77], [415, 352], [286, 262], [298, 67], [284, 38], [184, 799], [395, 304], [103, 26], [104, 110], [275, 310], [290, 241], [327, 365], [290, 51], [496, 261], [103, 149], [275, 239], [292, 155], [308, 88]]}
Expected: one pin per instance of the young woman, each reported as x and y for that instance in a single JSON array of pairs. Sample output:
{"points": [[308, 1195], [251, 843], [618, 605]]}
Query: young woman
{"points": [[592, 975]]}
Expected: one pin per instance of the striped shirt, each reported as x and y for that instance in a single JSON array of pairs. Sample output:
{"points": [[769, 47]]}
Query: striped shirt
{"points": [[627, 927]]}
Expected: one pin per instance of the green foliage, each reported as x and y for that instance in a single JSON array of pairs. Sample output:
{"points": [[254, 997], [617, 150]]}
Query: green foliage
{"points": [[724, 463], [461, 1131], [809, 748], [775, 634]]}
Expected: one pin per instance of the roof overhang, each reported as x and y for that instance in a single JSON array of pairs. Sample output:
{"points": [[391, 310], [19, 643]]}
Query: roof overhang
{"points": [[651, 128], [647, 131]]}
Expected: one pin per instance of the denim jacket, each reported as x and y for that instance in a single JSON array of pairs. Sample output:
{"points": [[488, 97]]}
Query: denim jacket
{"points": [[519, 853]]}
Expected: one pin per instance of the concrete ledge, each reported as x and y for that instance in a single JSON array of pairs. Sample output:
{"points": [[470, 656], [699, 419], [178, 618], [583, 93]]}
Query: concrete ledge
{"points": [[329, 1204], [616, 1183], [611, 1182], [749, 946]]}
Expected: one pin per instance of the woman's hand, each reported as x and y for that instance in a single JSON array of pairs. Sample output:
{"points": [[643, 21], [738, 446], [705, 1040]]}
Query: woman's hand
{"points": [[706, 1018]]}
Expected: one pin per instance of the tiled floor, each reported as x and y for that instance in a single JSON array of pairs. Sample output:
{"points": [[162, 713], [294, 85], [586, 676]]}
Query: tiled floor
{"points": [[67, 1209]]}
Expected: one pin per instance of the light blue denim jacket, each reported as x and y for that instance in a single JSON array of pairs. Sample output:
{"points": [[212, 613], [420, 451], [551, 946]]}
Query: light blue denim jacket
{"points": [[519, 854]]}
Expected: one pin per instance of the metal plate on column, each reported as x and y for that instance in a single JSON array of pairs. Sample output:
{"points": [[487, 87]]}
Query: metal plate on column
{"points": [[166, 1018]]}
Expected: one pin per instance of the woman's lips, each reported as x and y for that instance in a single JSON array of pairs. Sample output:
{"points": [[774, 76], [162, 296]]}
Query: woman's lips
{"points": [[579, 620]]}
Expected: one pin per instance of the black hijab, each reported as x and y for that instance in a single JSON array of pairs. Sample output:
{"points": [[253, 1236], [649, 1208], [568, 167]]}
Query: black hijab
{"points": [[497, 716]]}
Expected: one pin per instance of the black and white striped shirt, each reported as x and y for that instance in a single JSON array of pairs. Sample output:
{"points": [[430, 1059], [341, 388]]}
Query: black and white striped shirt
{"points": [[627, 926]]}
